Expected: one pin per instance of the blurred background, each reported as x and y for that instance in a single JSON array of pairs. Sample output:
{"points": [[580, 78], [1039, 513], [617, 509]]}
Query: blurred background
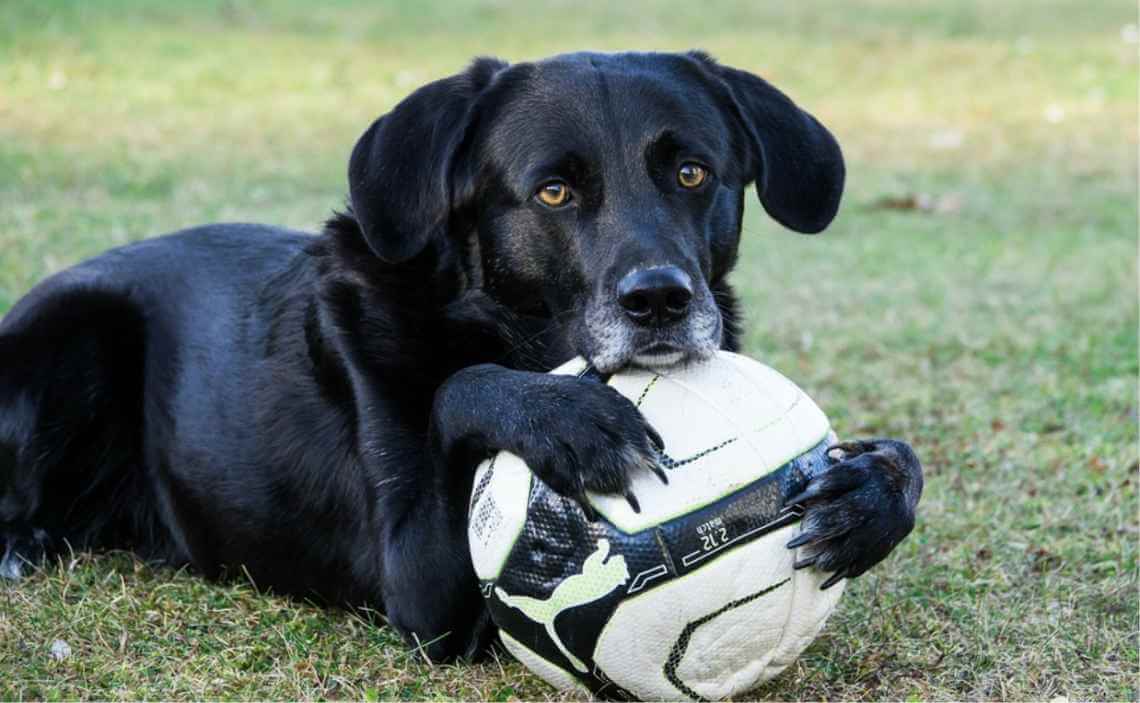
{"points": [[977, 296]]}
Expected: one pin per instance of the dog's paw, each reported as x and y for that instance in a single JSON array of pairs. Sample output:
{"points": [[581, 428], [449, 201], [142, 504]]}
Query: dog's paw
{"points": [[21, 551], [585, 436], [859, 508]]}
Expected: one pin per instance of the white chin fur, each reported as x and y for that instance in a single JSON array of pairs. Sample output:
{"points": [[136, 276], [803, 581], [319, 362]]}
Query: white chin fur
{"points": [[652, 361]]}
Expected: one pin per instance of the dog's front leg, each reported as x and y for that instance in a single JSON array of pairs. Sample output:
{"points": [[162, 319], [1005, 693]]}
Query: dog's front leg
{"points": [[575, 434], [859, 508]]}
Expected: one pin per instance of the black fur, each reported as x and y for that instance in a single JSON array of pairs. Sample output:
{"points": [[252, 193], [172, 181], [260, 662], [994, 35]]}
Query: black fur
{"points": [[309, 409]]}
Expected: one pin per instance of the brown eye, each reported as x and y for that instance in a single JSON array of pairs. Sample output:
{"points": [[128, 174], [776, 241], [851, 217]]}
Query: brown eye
{"points": [[692, 175], [554, 194]]}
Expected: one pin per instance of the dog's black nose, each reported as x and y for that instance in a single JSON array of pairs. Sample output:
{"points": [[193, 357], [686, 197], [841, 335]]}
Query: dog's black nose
{"points": [[655, 296]]}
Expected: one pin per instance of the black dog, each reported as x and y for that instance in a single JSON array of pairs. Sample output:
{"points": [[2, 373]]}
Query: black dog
{"points": [[311, 409]]}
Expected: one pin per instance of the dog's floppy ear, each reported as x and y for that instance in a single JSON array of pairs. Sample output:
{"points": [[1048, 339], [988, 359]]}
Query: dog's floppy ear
{"points": [[795, 162], [399, 174]]}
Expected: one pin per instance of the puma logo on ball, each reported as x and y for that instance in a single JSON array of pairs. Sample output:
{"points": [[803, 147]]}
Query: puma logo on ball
{"points": [[599, 577]]}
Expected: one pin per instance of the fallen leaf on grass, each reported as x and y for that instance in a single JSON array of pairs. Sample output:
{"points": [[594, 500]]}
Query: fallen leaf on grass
{"points": [[1042, 560], [920, 202]]}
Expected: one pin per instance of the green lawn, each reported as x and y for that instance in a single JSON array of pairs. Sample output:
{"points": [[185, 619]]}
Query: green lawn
{"points": [[996, 330]]}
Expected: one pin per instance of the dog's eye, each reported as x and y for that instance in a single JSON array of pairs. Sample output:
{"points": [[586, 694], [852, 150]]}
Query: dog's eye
{"points": [[553, 194], [692, 175]]}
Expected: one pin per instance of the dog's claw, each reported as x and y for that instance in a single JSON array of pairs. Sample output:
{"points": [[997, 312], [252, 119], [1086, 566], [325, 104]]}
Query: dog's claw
{"points": [[805, 563], [659, 473], [801, 539], [797, 498], [846, 450], [655, 438], [632, 500], [833, 579], [584, 504]]}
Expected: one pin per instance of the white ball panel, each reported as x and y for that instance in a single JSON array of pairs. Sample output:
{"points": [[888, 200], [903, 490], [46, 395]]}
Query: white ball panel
{"points": [[809, 612], [498, 515], [744, 393], [692, 423], [756, 381], [571, 368], [727, 655], [781, 439], [636, 642]]}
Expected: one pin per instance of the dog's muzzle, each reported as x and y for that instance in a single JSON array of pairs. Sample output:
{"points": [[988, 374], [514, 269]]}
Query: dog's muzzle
{"points": [[656, 317]]}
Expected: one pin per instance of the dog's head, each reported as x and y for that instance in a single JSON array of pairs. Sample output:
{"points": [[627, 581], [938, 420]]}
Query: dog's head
{"points": [[605, 191]]}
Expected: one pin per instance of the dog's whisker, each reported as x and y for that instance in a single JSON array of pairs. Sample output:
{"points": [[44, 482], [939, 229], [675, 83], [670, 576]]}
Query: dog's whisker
{"points": [[522, 347]]}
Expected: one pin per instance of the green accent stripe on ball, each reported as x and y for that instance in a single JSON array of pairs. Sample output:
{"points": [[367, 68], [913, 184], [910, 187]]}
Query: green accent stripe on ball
{"points": [[670, 463], [645, 392]]}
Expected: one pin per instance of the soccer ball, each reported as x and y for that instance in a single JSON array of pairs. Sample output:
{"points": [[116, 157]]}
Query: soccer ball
{"points": [[693, 597]]}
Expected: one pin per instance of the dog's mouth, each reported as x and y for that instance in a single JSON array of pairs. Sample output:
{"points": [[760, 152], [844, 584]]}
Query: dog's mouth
{"points": [[660, 355], [611, 340], [653, 351]]}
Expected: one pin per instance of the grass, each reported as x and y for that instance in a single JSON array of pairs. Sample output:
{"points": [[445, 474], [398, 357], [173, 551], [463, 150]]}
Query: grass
{"points": [[997, 332]]}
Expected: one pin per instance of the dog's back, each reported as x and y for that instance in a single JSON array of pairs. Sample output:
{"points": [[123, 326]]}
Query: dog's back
{"points": [[91, 379]]}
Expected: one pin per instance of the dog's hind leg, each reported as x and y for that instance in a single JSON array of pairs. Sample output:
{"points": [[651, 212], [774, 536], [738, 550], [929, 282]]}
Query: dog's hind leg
{"points": [[71, 377], [21, 489]]}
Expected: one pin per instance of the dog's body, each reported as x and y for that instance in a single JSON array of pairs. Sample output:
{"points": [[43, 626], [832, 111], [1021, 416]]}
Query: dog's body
{"points": [[310, 409]]}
